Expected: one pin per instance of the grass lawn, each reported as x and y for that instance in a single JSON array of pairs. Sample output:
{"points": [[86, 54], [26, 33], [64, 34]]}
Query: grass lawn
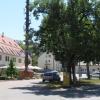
{"points": [[92, 81], [56, 85]]}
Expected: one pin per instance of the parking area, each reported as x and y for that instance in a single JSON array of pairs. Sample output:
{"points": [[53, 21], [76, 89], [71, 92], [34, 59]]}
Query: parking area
{"points": [[35, 89]]}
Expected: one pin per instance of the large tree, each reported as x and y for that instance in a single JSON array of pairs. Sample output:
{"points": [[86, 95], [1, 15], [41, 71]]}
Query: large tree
{"points": [[67, 31]]}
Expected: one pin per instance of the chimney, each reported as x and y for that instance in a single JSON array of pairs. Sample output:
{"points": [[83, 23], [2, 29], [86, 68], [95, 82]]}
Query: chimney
{"points": [[2, 34]]}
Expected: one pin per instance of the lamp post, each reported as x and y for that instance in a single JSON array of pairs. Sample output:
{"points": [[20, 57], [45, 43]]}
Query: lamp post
{"points": [[27, 23]]}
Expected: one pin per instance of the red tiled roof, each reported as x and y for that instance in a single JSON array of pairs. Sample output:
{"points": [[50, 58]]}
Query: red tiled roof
{"points": [[9, 46]]}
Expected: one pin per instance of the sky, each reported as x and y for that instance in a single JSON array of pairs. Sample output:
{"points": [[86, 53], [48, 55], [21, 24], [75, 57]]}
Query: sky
{"points": [[12, 19]]}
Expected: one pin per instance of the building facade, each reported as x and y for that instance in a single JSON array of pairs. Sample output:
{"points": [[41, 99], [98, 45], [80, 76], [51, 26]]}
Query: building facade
{"points": [[81, 68], [9, 49], [47, 61]]}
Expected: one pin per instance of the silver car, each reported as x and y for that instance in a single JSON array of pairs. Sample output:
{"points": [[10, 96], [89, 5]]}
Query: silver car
{"points": [[95, 75], [51, 76]]}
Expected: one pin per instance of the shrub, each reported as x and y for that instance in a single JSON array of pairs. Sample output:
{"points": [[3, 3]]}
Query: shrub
{"points": [[11, 71]]}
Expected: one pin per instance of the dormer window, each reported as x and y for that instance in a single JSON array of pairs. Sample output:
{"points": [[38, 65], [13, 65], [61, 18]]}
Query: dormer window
{"points": [[3, 41], [10, 43]]}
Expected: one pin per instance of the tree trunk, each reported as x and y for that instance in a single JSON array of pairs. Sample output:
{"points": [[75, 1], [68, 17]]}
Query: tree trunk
{"points": [[88, 71], [66, 75], [26, 35], [73, 72], [69, 71]]}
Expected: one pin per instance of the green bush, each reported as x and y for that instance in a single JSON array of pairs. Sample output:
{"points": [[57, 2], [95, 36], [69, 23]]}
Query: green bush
{"points": [[11, 71], [3, 78]]}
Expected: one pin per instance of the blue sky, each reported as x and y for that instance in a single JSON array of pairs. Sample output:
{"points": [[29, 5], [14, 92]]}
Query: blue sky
{"points": [[12, 18]]}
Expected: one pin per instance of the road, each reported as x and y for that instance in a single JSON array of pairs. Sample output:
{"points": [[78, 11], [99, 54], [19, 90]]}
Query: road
{"points": [[35, 90]]}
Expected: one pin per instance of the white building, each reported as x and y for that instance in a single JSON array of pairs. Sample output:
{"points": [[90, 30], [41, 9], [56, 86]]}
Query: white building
{"points": [[83, 69], [47, 61], [9, 49]]}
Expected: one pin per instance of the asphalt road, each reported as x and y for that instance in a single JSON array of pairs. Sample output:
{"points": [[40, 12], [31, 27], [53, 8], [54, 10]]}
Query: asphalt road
{"points": [[35, 90]]}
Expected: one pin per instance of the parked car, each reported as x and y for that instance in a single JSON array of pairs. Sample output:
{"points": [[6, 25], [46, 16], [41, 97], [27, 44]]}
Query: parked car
{"points": [[95, 75], [51, 76]]}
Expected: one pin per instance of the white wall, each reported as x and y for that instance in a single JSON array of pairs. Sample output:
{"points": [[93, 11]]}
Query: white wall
{"points": [[47, 60], [83, 68], [4, 62]]}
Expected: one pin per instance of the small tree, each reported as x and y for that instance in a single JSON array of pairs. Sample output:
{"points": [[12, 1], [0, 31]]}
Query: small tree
{"points": [[11, 70]]}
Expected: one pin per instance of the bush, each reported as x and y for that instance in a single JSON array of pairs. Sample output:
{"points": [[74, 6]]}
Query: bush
{"points": [[11, 71], [3, 78]]}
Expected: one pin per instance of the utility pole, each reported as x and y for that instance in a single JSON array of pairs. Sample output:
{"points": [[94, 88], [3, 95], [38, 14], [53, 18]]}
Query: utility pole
{"points": [[27, 23]]}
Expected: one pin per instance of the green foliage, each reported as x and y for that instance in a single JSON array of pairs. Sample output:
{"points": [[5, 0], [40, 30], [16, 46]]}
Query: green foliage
{"points": [[72, 25], [11, 71], [34, 60], [33, 51], [22, 45], [70, 31]]}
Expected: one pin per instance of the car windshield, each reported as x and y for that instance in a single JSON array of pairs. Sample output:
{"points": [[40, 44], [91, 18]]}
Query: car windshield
{"points": [[51, 73], [47, 74]]}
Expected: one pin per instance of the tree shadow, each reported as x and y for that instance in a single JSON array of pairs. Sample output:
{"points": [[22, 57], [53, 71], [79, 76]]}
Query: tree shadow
{"points": [[75, 92]]}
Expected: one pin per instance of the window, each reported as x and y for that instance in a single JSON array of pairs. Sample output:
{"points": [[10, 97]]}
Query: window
{"points": [[10, 43], [48, 60], [14, 59], [19, 60], [15, 45], [93, 69], [82, 70], [49, 56], [7, 58], [46, 67], [0, 57], [3, 40]]}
